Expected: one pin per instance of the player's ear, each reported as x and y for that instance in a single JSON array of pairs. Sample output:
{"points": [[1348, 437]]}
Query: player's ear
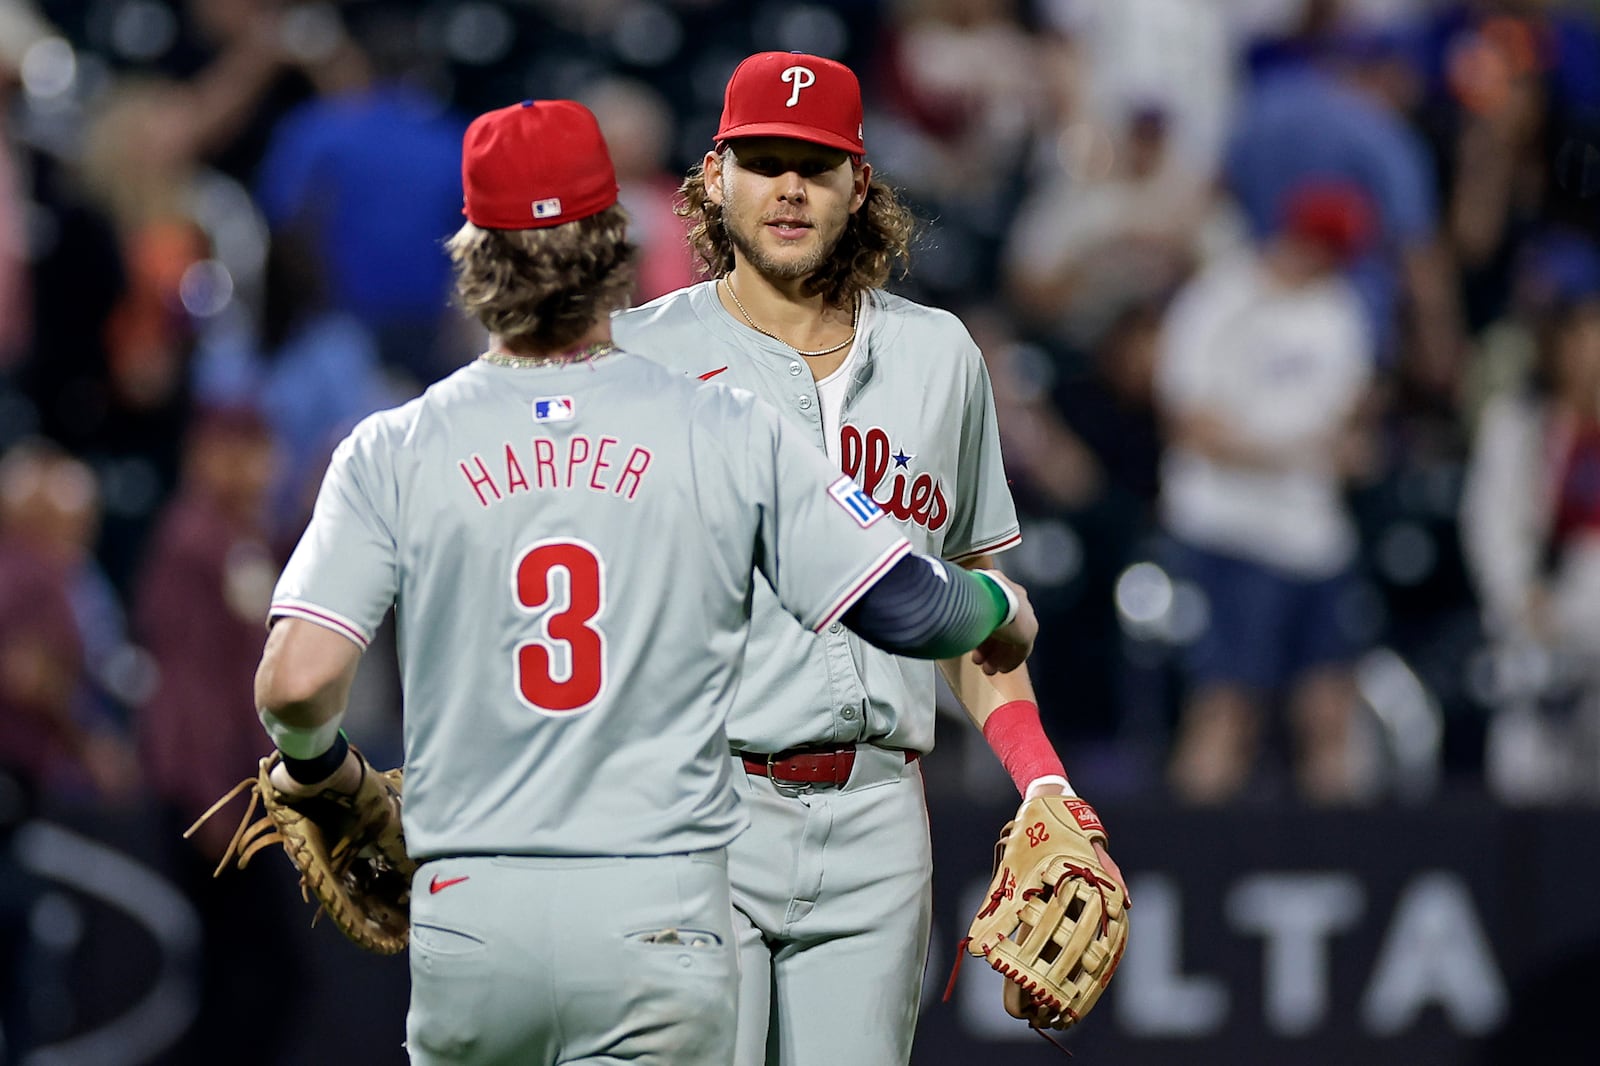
{"points": [[861, 177], [711, 176]]}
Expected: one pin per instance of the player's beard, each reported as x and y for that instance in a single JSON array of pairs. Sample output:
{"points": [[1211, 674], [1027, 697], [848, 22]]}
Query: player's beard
{"points": [[769, 266]]}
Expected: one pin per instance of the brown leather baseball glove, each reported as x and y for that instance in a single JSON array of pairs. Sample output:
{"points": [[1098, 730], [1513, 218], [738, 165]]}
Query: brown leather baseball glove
{"points": [[1054, 921], [349, 848]]}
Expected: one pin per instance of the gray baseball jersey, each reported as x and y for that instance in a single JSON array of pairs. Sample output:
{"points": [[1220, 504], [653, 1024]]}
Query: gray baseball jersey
{"points": [[919, 368], [569, 551]]}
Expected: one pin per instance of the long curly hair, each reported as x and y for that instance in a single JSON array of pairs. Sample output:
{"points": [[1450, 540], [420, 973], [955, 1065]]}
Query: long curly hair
{"points": [[542, 289], [876, 239]]}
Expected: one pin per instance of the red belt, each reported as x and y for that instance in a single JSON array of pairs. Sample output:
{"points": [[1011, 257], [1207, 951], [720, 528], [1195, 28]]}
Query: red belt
{"points": [[806, 766]]}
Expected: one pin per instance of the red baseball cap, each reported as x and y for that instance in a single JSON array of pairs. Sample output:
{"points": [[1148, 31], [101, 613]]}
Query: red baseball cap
{"points": [[1333, 213], [535, 164], [792, 94]]}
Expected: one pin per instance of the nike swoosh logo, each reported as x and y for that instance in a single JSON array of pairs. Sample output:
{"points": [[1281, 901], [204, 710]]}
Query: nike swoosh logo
{"points": [[709, 374], [437, 885]]}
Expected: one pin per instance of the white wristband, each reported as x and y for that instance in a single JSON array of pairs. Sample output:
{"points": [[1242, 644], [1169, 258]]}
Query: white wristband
{"points": [[1012, 606], [1048, 779], [300, 742]]}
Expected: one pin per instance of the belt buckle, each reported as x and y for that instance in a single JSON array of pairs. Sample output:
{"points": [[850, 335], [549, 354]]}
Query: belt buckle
{"points": [[784, 787]]}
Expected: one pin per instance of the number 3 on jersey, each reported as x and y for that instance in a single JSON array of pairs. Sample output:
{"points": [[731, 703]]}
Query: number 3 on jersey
{"points": [[563, 670]]}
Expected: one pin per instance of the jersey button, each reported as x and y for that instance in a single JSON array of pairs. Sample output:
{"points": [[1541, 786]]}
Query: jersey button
{"points": [[805, 403], [794, 370], [836, 628], [847, 713]]}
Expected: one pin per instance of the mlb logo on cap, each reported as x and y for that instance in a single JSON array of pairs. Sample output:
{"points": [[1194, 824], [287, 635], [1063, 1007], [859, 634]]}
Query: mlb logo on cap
{"points": [[535, 164], [792, 94], [554, 409]]}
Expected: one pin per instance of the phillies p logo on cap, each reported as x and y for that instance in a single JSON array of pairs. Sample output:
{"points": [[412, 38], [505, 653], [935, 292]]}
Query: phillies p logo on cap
{"points": [[802, 77], [792, 94]]}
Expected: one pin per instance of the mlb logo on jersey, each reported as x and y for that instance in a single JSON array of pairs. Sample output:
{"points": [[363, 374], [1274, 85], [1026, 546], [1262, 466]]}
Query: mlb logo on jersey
{"points": [[853, 498], [547, 208], [554, 409]]}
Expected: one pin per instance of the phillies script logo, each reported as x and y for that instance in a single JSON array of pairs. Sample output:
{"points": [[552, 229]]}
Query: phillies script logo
{"points": [[867, 458]]}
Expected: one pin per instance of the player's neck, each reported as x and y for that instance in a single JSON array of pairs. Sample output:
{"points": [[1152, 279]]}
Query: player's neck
{"points": [[783, 311], [597, 334]]}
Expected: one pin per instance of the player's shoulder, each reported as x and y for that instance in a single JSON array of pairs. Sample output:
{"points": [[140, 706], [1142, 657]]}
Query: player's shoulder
{"points": [[390, 426], [926, 335], [679, 308]]}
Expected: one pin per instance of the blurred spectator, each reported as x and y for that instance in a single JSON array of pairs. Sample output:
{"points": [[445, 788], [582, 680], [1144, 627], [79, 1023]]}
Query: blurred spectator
{"points": [[964, 73], [964, 86], [55, 738], [1261, 379], [1338, 118], [638, 125], [1110, 404], [1501, 157], [370, 177], [1081, 450], [199, 609], [1171, 54], [1530, 526], [201, 600], [1117, 222], [313, 372], [20, 29]]}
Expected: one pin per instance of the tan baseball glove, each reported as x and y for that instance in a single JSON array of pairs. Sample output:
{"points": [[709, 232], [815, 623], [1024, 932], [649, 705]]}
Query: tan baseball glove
{"points": [[349, 848], [1054, 921]]}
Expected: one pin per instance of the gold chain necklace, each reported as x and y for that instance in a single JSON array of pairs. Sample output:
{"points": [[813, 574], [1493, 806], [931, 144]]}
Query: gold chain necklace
{"points": [[528, 362], [855, 312]]}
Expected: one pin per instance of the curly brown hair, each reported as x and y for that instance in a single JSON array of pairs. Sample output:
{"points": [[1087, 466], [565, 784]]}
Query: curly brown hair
{"points": [[876, 239], [542, 289]]}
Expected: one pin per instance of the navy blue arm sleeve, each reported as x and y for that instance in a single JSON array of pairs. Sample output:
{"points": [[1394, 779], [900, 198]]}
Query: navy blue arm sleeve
{"points": [[927, 608]]}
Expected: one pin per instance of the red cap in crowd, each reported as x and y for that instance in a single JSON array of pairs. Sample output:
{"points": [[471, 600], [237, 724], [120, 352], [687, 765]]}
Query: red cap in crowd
{"points": [[535, 164], [791, 94], [1333, 213]]}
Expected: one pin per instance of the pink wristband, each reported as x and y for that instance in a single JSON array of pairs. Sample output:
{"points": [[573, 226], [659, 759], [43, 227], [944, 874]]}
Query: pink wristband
{"points": [[1016, 735]]}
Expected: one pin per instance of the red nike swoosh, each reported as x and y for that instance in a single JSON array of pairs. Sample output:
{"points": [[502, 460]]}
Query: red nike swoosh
{"points": [[709, 374], [437, 885]]}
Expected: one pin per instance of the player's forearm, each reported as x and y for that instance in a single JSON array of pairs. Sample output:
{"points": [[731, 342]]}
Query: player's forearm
{"points": [[925, 608], [303, 685], [980, 694]]}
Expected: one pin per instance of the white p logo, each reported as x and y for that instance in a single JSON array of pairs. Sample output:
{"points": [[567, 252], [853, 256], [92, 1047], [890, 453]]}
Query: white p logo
{"points": [[802, 78]]}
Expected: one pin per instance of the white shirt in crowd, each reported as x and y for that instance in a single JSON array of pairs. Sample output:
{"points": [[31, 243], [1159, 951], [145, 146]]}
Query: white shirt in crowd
{"points": [[1283, 368]]}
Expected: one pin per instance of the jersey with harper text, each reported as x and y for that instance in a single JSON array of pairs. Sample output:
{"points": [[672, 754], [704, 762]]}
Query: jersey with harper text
{"points": [[570, 551], [917, 432]]}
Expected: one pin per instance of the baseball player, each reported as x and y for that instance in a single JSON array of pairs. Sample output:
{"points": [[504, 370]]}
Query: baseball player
{"points": [[832, 882], [568, 536]]}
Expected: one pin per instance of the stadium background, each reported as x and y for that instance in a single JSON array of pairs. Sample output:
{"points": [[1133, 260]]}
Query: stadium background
{"points": [[218, 227]]}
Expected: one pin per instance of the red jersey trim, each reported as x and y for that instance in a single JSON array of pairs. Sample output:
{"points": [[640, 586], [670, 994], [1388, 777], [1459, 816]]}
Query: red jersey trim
{"points": [[1010, 540], [868, 579], [327, 619]]}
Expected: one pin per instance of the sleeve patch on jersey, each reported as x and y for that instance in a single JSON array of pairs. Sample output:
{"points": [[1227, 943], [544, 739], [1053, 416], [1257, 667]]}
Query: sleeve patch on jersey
{"points": [[554, 409], [853, 498]]}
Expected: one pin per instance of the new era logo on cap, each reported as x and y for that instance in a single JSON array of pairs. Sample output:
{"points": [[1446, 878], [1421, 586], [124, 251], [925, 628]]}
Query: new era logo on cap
{"points": [[791, 94]]}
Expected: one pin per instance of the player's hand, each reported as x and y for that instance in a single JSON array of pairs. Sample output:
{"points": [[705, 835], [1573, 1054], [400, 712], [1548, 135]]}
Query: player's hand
{"points": [[1111, 867], [1009, 646], [1107, 863]]}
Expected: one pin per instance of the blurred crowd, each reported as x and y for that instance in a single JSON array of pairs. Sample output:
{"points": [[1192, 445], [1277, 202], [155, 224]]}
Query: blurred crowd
{"points": [[1292, 310]]}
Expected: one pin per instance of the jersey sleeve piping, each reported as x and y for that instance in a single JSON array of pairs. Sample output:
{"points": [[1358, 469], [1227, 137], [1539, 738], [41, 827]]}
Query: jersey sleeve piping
{"points": [[323, 617], [999, 544], [879, 567]]}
